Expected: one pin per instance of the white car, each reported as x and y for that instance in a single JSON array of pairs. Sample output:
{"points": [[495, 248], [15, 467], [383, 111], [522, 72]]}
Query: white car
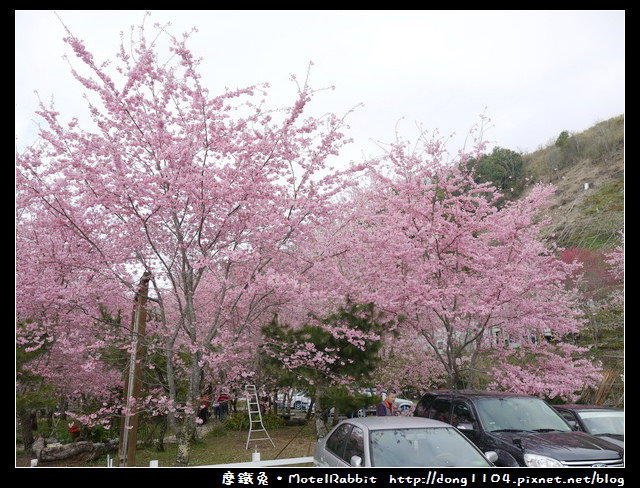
{"points": [[297, 400]]}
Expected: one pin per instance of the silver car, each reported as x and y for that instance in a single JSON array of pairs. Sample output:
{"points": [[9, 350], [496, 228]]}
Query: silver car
{"points": [[604, 422], [398, 442]]}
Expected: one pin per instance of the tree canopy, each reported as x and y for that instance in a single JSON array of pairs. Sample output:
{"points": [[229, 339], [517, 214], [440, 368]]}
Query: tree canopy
{"points": [[209, 195], [468, 277]]}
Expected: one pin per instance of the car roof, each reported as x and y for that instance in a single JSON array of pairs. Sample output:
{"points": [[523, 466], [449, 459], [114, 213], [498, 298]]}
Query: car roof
{"points": [[575, 406], [401, 422], [479, 393]]}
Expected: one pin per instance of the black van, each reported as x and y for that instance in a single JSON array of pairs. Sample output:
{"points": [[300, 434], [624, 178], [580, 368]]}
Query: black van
{"points": [[522, 430]]}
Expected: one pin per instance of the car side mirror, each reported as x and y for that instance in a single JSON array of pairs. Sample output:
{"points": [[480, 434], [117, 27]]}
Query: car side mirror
{"points": [[465, 426], [491, 456], [356, 461]]}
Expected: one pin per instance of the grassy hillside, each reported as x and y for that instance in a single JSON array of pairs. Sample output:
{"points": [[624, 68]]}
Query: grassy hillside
{"points": [[588, 171], [587, 212]]}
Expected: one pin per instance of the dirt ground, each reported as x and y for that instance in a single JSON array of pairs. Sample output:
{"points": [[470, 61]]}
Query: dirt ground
{"points": [[24, 461]]}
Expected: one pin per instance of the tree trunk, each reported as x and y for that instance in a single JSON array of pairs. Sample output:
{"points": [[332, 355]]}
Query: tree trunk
{"points": [[183, 441], [187, 433], [335, 418], [27, 432], [163, 431], [321, 428], [56, 453], [234, 404]]}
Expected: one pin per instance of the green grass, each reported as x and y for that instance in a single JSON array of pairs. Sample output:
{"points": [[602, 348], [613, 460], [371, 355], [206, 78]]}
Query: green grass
{"points": [[223, 446], [225, 443]]}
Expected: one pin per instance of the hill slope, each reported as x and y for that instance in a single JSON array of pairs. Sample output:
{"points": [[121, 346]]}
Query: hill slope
{"points": [[587, 212], [587, 170]]}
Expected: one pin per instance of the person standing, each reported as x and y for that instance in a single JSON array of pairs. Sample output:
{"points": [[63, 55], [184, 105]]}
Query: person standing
{"points": [[204, 414], [223, 400], [386, 408]]}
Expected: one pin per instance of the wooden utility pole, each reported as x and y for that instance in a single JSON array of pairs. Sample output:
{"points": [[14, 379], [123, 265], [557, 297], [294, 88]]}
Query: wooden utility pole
{"points": [[132, 376]]}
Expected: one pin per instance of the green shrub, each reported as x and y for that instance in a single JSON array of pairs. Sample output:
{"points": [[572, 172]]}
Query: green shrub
{"points": [[218, 430], [237, 421], [271, 421], [99, 434]]}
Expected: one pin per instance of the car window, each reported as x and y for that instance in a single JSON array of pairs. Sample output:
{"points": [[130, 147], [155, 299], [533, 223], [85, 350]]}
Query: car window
{"points": [[568, 416], [425, 447], [441, 410], [336, 441], [354, 445], [603, 423], [462, 413], [422, 409], [519, 414]]}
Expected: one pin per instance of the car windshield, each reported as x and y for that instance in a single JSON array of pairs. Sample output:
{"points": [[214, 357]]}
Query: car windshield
{"points": [[603, 422], [519, 414], [423, 447]]}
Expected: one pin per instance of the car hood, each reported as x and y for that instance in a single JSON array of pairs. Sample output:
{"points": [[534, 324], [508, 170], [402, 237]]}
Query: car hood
{"points": [[565, 446], [616, 439]]}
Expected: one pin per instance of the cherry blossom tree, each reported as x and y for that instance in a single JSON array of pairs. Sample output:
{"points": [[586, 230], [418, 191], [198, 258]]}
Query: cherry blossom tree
{"points": [[57, 283], [615, 259], [475, 283], [405, 363], [209, 195], [339, 349]]}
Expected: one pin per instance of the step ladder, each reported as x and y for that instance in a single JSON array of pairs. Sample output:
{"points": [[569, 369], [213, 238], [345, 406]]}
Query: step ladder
{"points": [[255, 416]]}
